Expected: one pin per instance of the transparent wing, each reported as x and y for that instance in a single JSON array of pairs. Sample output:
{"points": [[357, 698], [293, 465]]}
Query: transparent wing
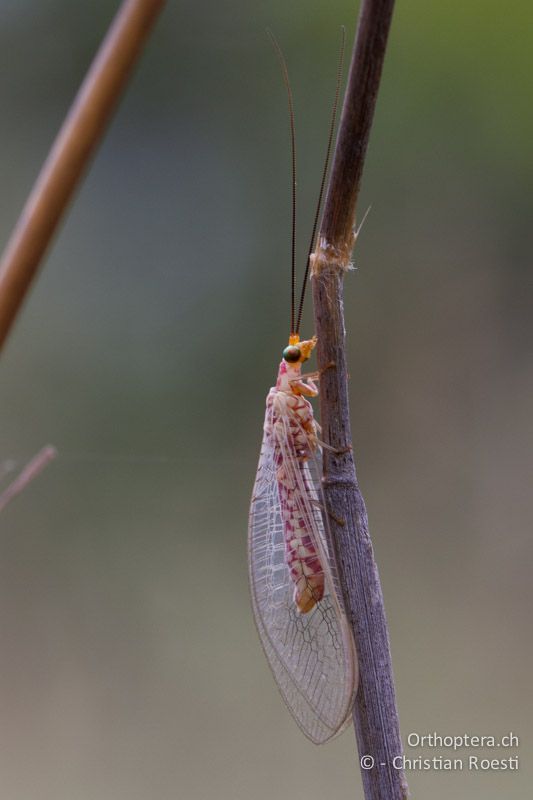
{"points": [[311, 655]]}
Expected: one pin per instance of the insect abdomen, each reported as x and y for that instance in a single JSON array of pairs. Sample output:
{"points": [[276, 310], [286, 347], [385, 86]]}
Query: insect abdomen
{"points": [[295, 494]]}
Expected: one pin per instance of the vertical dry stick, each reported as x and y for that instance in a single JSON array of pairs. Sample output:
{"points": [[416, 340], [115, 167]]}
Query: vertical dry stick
{"points": [[70, 153], [375, 714]]}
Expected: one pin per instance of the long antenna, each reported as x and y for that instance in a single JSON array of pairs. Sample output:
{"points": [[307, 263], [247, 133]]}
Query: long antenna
{"points": [[285, 73], [324, 175]]}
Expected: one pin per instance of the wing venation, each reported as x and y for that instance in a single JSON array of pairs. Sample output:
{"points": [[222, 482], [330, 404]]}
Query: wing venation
{"points": [[311, 654]]}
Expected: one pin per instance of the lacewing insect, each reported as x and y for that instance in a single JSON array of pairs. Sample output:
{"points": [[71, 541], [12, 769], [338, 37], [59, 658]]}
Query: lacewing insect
{"points": [[296, 597]]}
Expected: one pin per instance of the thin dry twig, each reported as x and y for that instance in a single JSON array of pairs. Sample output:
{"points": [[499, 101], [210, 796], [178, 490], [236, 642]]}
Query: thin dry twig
{"points": [[375, 713], [30, 471], [76, 141]]}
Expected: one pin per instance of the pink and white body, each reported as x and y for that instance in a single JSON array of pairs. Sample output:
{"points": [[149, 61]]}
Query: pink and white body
{"points": [[296, 597]]}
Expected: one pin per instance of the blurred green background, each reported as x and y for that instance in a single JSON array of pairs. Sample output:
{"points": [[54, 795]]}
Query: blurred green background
{"points": [[130, 666]]}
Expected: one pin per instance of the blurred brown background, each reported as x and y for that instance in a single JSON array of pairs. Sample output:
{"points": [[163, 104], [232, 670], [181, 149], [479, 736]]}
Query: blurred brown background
{"points": [[130, 667]]}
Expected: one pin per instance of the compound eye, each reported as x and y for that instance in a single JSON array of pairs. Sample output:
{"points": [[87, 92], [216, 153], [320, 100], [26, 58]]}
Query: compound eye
{"points": [[292, 353]]}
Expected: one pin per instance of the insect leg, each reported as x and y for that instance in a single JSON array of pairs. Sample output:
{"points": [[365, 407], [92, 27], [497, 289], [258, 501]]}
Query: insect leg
{"points": [[338, 520], [315, 376], [339, 451]]}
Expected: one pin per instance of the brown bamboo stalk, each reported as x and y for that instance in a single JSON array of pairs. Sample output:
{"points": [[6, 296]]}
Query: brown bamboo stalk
{"points": [[375, 714], [72, 149], [28, 474]]}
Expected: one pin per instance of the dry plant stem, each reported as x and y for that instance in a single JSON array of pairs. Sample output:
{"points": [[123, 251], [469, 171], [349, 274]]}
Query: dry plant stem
{"points": [[375, 714], [70, 153], [30, 471]]}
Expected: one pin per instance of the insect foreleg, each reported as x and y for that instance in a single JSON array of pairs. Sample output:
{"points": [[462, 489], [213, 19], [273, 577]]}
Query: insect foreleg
{"points": [[307, 376]]}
